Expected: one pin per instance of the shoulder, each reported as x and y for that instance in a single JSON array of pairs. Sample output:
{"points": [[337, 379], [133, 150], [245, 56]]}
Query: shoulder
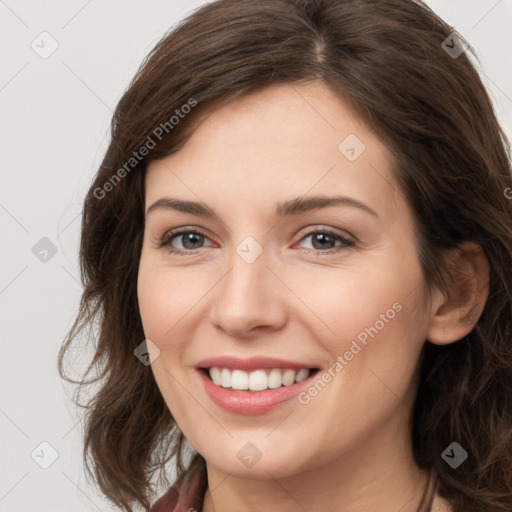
{"points": [[166, 502], [184, 496]]}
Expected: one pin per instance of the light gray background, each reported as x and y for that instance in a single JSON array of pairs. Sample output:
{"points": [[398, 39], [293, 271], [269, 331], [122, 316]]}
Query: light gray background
{"points": [[54, 131]]}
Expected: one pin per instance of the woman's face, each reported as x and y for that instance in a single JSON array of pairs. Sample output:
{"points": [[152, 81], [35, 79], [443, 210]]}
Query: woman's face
{"points": [[336, 287]]}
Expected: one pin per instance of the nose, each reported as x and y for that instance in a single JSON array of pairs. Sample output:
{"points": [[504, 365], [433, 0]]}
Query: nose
{"points": [[249, 298]]}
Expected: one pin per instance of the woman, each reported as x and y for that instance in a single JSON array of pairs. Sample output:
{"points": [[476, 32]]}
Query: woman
{"points": [[340, 337]]}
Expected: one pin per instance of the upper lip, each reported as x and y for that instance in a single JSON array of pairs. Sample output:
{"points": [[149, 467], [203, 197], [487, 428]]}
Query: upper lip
{"points": [[252, 363]]}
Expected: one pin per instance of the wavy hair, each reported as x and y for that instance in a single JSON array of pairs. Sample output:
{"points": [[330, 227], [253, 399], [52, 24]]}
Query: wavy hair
{"points": [[390, 61]]}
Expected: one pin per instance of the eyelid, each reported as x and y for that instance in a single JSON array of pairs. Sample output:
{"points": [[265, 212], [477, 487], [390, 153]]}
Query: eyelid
{"points": [[347, 239], [174, 233], [309, 230]]}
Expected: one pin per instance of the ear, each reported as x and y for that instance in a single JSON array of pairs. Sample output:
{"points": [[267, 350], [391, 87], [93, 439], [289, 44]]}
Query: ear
{"points": [[453, 315]]}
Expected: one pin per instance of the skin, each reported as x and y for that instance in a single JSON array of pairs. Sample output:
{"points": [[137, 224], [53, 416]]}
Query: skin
{"points": [[350, 444]]}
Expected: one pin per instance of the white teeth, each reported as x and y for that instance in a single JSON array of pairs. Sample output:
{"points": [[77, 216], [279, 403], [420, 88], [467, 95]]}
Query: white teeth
{"points": [[302, 374], [257, 380], [225, 378], [239, 380], [288, 377], [215, 376], [274, 379]]}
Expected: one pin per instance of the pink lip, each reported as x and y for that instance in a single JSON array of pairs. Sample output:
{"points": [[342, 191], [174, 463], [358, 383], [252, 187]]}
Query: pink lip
{"points": [[253, 363], [252, 402]]}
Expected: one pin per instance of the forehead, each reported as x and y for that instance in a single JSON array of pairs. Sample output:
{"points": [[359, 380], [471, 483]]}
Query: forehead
{"points": [[282, 141]]}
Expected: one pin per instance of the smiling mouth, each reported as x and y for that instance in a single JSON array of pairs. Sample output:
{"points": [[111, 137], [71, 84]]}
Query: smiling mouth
{"points": [[256, 380]]}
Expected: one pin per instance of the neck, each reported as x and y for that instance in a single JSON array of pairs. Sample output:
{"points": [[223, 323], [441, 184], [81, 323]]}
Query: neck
{"points": [[370, 477]]}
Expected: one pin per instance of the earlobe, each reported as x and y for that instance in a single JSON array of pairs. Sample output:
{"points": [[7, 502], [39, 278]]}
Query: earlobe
{"points": [[454, 314]]}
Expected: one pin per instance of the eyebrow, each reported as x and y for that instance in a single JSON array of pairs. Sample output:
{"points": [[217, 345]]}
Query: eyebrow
{"points": [[290, 207]]}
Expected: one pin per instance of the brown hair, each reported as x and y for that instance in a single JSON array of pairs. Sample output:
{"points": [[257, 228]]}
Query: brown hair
{"points": [[386, 59]]}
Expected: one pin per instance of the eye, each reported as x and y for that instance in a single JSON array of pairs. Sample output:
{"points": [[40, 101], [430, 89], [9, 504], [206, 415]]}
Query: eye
{"points": [[323, 241], [190, 239]]}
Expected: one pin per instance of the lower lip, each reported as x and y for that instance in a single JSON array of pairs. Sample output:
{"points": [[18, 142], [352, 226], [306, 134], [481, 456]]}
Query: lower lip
{"points": [[252, 402]]}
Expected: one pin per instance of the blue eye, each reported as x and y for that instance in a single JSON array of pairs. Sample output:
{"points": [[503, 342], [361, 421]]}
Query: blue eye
{"points": [[186, 235], [323, 238]]}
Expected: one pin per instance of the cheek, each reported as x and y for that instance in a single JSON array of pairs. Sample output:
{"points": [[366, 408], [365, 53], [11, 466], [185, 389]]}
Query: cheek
{"points": [[165, 296], [339, 305], [348, 305], [375, 323], [164, 300]]}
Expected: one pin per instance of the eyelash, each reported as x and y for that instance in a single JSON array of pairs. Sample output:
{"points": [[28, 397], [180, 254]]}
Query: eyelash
{"points": [[171, 235]]}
